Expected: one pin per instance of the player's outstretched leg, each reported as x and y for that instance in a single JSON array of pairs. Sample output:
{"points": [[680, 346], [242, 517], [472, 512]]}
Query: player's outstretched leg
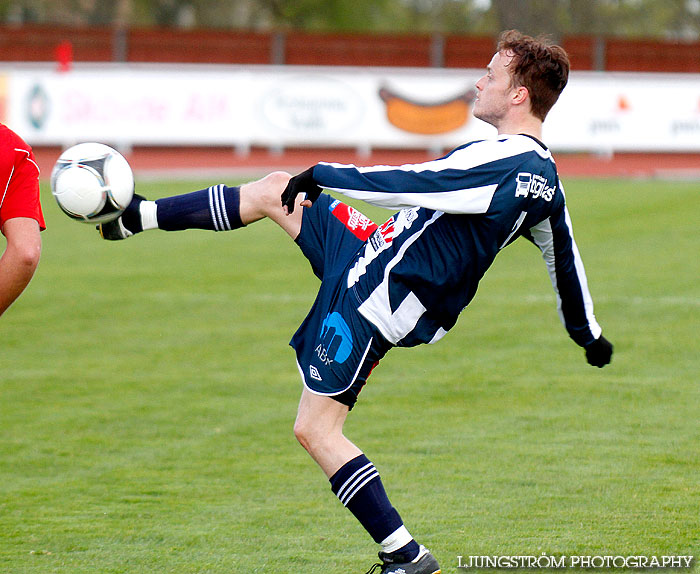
{"points": [[358, 486], [217, 208]]}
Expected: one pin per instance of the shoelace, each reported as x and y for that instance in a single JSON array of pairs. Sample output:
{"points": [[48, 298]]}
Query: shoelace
{"points": [[374, 567]]}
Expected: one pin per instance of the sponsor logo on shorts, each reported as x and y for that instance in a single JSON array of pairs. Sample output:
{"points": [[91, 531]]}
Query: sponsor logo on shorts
{"points": [[336, 340], [313, 372]]}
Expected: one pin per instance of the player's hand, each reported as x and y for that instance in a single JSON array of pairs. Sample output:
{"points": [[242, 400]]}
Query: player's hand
{"points": [[599, 352], [301, 183]]}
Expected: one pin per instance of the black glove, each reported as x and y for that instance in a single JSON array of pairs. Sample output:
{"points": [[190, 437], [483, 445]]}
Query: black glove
{"points": [[301, 183], [599, 352]]}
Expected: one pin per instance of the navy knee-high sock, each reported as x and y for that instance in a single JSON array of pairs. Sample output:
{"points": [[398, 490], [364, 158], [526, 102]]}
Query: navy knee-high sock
{"points": [[216, 208], [358, 486]]}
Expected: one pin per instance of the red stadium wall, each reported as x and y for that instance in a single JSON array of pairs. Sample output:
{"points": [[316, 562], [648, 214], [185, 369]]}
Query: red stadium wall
{"points": [[468, 52], [353, 50], [648, 56], [40, 44], [211, 46]]}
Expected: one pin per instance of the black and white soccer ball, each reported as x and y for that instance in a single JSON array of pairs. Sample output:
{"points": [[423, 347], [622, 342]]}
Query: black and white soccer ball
{"points": [[92, 182]]}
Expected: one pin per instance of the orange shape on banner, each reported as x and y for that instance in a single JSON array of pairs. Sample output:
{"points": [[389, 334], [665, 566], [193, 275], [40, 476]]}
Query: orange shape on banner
{"points": [[623, 104], [427, 118]]}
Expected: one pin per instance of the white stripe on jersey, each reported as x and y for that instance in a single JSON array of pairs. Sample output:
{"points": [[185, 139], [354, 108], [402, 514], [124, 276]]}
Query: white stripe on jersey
{"points": [[518, 223], [596, 330], [29, 159], [544, 239], [439, 334], [474, 155], [469, 200], [465, 200], [9, 179], [377, 307], [12, 172]]}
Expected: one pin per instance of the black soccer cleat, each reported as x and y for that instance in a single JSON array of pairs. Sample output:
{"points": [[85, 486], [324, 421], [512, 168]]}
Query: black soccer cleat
{"points": [[114, 230], [396, 563], [126, 225]]}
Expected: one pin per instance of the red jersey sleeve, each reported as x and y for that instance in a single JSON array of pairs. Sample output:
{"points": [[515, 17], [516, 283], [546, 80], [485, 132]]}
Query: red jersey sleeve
{"points": [[19, 179]]}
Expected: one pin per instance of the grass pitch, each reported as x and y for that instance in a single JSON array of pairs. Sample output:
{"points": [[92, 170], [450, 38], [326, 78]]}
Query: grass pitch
{"points": [[148, 396]]}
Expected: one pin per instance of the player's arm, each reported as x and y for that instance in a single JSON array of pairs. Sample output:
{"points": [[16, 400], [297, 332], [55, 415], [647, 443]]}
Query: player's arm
{"points": [[464, 181], [21, 219], [555, 239], [20, 258]]}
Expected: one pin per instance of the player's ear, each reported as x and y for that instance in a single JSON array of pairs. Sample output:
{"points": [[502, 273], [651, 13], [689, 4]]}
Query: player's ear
{"points": [[520, 95]]}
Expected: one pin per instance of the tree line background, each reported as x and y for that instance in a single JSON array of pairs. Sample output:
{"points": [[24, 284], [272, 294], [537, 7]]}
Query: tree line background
{"points": [[667, 19]]}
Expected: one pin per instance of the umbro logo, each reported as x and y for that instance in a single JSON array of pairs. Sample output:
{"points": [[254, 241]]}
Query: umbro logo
{"points": [[313, 371]]}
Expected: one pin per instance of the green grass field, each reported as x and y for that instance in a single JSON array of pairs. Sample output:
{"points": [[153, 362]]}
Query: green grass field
{"points": [[148, 397]]}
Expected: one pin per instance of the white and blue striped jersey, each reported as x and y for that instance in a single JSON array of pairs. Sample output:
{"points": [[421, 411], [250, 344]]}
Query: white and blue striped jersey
{"points": [[417, 272]]}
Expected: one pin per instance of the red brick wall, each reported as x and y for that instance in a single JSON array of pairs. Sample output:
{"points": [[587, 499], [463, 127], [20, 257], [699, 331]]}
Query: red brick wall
{"points": [[39, 44]]}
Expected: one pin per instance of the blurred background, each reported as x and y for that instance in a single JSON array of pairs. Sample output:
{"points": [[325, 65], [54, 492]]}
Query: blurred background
{"points": [[650, 35], [271, 78], [666, 19]]}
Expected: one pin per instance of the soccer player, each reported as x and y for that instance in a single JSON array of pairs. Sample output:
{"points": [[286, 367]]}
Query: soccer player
{"points": [[405, 282], [21, 218]]}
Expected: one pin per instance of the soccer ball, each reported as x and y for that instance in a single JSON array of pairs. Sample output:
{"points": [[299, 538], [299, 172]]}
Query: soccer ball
{"points": [[92, 183]]}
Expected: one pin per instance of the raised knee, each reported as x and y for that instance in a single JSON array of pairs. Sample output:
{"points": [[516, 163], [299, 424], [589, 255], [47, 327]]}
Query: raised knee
{"points": [[277, 179], [271, 188], [262, 198]]}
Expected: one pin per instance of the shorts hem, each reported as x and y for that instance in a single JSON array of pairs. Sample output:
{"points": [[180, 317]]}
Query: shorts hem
{"points": [[330, 394]]}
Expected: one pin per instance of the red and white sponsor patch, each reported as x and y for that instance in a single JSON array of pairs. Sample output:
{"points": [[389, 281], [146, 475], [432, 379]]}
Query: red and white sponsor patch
{"points": [[358, 224], [386, 230]]}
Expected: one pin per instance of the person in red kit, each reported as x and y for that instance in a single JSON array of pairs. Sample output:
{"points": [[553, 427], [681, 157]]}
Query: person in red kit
{"points": [[21, 218]]}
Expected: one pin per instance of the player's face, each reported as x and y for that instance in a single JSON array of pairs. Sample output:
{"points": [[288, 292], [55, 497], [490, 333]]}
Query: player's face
{"points": [[493, 89]]}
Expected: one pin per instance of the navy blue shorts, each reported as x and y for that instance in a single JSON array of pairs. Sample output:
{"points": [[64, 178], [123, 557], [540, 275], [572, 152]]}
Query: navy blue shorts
{"points": [[336, 347]]}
